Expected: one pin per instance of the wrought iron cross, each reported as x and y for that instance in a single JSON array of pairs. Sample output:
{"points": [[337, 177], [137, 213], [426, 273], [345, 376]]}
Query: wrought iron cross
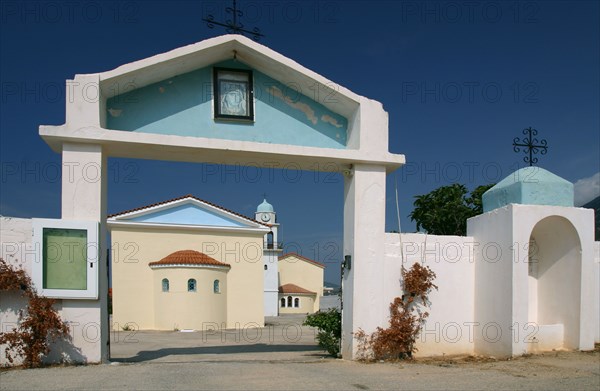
{"points": [[265, 196], [530, 145], [233, 26]]}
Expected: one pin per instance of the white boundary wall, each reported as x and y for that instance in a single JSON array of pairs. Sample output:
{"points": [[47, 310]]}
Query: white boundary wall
{"points": [[17, 248], [596, 306], [449, 328]]}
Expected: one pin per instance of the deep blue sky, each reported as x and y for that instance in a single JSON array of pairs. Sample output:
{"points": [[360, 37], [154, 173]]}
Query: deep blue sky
{"points": [[459, 80]]}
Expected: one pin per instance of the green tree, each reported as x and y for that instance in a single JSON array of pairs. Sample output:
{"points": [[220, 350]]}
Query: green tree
{"points": [[445, 210]]}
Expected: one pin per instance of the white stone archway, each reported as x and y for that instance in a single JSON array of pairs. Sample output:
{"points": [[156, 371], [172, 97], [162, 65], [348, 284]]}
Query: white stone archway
{"points": [[86, 141], [555, 283], [555, 304]]}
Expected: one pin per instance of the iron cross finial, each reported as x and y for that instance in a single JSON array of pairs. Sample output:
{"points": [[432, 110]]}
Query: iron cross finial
{"points": [[233, 26], [530, 145], [265, 196]]}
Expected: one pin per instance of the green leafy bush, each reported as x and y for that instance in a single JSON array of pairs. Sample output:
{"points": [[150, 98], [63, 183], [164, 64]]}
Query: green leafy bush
{"points": [[329, 325]]}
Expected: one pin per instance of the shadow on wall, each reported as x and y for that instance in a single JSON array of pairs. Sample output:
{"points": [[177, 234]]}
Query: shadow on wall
{"points": [[61, 351], [65, 352]]}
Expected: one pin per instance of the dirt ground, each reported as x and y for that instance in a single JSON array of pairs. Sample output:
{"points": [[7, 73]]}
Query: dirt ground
{"points": [[312, 370], [284, 356], [555, 364]]}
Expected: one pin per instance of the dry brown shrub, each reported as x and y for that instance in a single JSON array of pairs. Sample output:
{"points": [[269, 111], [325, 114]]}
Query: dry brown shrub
{"points": [[39, 324], [406, 319]]}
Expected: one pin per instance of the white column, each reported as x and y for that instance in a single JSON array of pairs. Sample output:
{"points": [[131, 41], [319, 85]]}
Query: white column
{"points": [[84, 198], [364, 232]]}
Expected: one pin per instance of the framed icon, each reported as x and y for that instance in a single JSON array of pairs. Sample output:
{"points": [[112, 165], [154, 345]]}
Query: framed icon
{"points": [[233, 95]]}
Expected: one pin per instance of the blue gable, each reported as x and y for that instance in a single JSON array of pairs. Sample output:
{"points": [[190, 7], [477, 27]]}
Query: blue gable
{"points": [[187, 214], [182, 106]]}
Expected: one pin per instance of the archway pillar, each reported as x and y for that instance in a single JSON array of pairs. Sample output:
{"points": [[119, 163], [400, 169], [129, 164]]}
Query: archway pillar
{"points": [[364, 230], [84, 197]]}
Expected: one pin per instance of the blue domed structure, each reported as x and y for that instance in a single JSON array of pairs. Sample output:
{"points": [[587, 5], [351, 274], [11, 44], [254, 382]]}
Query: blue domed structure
{"points": [[530, 186], [265, 207]]}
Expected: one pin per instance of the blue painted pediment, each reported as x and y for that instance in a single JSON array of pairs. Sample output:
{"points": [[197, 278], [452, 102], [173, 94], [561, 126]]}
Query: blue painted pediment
{"points": [[188, 213], [183, 105]]}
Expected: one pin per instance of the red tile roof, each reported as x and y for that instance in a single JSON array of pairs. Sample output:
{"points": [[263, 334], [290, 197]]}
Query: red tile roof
{"points": [[292, 288], [188, 257], [281, 258], [182, 198]]}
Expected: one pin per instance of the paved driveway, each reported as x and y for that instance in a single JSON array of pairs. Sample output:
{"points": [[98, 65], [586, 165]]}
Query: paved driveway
{"points": [[284, 356], [283, 339]]}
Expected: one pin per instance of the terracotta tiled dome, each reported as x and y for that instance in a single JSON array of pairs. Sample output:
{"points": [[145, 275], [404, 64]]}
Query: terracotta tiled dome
{"points": [[188, 257]]}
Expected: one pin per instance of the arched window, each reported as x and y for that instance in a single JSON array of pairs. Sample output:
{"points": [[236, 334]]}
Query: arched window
{"points": [[297, 302], [191, 285], [165, 285], [289, 301], [283, 302], [270, 240], [266, 267], [216, 286]]}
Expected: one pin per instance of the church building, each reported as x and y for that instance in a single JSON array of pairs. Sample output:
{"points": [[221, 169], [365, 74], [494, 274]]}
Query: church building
{"points": [[185, 263]]}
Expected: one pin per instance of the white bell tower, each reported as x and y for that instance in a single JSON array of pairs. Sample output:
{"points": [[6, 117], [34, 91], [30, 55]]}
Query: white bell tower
{"points": [[271, 251]]}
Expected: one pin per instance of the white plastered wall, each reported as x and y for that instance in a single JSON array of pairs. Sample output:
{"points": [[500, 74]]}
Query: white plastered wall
{"points": [[16, 249], [271, 287], [19, 251], [364, 238], [502, 293], [581, 221], [449, 328], [596, 295], [493, 281], [84, 181]]}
